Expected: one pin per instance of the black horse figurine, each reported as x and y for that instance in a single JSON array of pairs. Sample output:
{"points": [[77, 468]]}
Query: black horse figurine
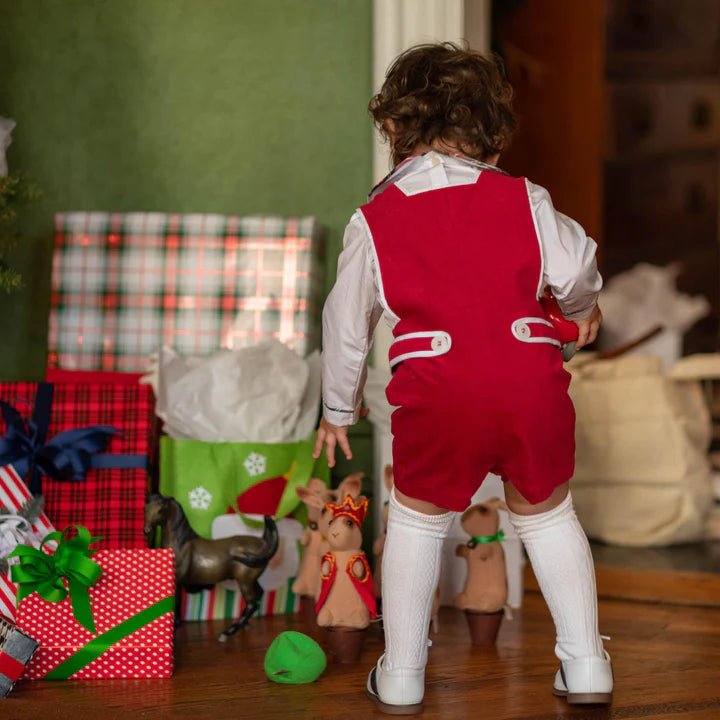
{"points": [[201, 563]]}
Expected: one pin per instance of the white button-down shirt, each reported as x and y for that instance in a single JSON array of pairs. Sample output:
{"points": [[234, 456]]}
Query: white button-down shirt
{"points": [[355, 304]]}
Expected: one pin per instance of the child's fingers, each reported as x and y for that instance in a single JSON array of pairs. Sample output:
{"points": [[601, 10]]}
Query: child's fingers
{"points": [[594, 329], [583, 334], [345, 446], [330, 449], [319, 442]]}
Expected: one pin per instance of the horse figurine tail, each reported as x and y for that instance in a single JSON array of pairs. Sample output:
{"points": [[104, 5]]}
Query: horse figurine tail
{"points": [[269, 548]]}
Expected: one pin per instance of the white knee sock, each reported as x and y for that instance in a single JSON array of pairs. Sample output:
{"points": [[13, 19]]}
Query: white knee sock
{"points": [[410, 574], [560, 556]]}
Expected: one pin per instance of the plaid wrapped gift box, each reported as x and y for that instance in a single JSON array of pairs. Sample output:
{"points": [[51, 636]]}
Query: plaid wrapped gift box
{"points": [[125, 284], [133, 610], [13, 496], [110, 502]]}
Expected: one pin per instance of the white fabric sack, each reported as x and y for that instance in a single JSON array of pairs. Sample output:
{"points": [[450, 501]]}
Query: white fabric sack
{"points": [[265, 393], [642, 474], [636, 301]]}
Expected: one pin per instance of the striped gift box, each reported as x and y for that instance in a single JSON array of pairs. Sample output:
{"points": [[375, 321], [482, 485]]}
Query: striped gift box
{"points": [[13, 495], [224, 602], [125, 284]]}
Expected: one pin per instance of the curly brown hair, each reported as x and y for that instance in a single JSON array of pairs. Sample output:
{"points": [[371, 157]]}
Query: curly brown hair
{"points": [[445, 95]]}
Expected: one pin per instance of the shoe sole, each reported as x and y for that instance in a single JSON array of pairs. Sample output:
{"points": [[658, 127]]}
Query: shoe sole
{"points": [[584, 698], [394, 709]]}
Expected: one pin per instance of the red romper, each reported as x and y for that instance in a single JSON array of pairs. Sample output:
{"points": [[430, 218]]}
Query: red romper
{"points": [[461, 267]]}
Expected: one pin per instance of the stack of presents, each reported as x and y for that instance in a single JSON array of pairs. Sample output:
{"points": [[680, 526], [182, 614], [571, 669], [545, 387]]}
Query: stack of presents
{"points": [[81, 593]]}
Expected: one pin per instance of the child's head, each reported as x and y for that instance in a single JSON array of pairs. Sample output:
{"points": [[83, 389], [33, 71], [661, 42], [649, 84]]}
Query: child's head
{"points": [[445, 97]]}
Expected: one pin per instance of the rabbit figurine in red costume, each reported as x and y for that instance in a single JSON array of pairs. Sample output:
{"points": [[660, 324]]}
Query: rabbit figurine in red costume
{"points": [[347, 597]]}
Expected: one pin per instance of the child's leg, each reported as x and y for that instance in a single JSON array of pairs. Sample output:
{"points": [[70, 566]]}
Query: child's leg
{"points": [[410, 571], [560, 556]]}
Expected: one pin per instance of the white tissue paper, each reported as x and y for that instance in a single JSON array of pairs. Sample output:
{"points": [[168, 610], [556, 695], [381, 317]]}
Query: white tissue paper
{"points": [[636, 301], [265, 393], [6, 127]]}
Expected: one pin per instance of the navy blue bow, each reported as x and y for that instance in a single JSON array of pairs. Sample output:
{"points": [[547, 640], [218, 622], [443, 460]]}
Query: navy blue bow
{"points": [[68, 455]]}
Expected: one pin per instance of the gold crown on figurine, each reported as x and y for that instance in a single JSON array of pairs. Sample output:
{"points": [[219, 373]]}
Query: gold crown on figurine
{"points": [[349, 509]]}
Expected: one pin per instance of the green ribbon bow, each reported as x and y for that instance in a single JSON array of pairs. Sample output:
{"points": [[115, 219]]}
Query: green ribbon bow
{"points": [[43, 573], [480, 539]]}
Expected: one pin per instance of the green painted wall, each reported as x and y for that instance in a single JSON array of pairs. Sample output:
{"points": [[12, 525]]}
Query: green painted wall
{"points": [[228, 106]]}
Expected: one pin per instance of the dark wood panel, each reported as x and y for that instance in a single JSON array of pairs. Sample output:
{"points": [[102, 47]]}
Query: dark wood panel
{"points": [[664, 210], [661, 37], [659, 117], [669, 202], [554, 50], [666, 660]]}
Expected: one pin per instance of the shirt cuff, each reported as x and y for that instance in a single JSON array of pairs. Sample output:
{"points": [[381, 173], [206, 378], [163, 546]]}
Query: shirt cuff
{"points": [[577, 314], [340, 416]]}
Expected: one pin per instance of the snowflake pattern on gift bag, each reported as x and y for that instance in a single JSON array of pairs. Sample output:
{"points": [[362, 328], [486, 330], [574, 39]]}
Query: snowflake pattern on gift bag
{"points": [[255, 464], [200, 498]]}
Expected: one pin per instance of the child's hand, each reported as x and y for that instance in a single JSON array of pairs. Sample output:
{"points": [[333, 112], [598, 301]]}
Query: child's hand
{"points": [[331, 435], [588, 328]]}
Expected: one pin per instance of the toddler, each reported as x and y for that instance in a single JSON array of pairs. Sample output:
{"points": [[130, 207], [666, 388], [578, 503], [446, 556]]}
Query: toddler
{"points": [[456, 254]]}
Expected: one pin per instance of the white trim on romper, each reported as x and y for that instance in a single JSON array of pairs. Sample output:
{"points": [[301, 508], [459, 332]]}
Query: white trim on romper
{"points": [[520, 328], [378, 272], [442, 348], [541, 284]]}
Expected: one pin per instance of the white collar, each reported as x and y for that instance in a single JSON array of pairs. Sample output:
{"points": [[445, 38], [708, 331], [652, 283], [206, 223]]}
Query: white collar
{"points": [[415, 162]]}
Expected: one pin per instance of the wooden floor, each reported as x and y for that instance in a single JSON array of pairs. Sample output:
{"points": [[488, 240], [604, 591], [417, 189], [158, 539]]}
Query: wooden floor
{"points": [[666, 660]]}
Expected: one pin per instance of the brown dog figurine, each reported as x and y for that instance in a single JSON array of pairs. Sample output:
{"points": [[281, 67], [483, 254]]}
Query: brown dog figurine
{"points": [[485, 592]]}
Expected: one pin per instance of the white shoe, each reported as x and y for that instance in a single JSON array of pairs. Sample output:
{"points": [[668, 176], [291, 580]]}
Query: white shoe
{"points": [[396, 692], [585, 681]]}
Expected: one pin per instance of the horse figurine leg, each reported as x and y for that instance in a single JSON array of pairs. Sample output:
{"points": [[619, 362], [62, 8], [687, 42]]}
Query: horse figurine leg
{"points": [[252, 594]]}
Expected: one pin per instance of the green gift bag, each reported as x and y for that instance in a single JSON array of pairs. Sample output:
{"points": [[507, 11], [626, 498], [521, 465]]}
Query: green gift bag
{"points": [[208, 478]]}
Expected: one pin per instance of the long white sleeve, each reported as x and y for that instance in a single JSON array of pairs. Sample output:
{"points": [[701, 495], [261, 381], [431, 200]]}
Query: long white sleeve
{"points": [[569, 264], [351, 313]]}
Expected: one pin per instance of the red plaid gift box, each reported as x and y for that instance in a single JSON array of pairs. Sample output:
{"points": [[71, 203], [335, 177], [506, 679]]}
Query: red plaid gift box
{"points": [[109, 502], [132, 605], [13, 496], [125, 284]]}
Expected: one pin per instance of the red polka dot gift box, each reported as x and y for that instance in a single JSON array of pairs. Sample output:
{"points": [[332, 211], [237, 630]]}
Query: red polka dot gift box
{"points": [[117, 625]]}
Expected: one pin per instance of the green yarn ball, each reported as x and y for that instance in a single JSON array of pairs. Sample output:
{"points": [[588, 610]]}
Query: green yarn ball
{"points": [[294, 659]]}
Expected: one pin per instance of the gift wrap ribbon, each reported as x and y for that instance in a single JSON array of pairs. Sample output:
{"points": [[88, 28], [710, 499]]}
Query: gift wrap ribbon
{"points": [[14, 530], [42, 573], [10, 667], [68, 455]]}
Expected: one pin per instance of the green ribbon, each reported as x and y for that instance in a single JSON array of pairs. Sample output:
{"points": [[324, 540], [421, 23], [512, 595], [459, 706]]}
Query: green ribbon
{"points": [[42, 573], [97, 646], [481, 539]]}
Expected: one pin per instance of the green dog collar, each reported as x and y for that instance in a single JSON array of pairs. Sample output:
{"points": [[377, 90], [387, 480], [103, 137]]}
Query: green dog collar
{"points": [[481, 539]]}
